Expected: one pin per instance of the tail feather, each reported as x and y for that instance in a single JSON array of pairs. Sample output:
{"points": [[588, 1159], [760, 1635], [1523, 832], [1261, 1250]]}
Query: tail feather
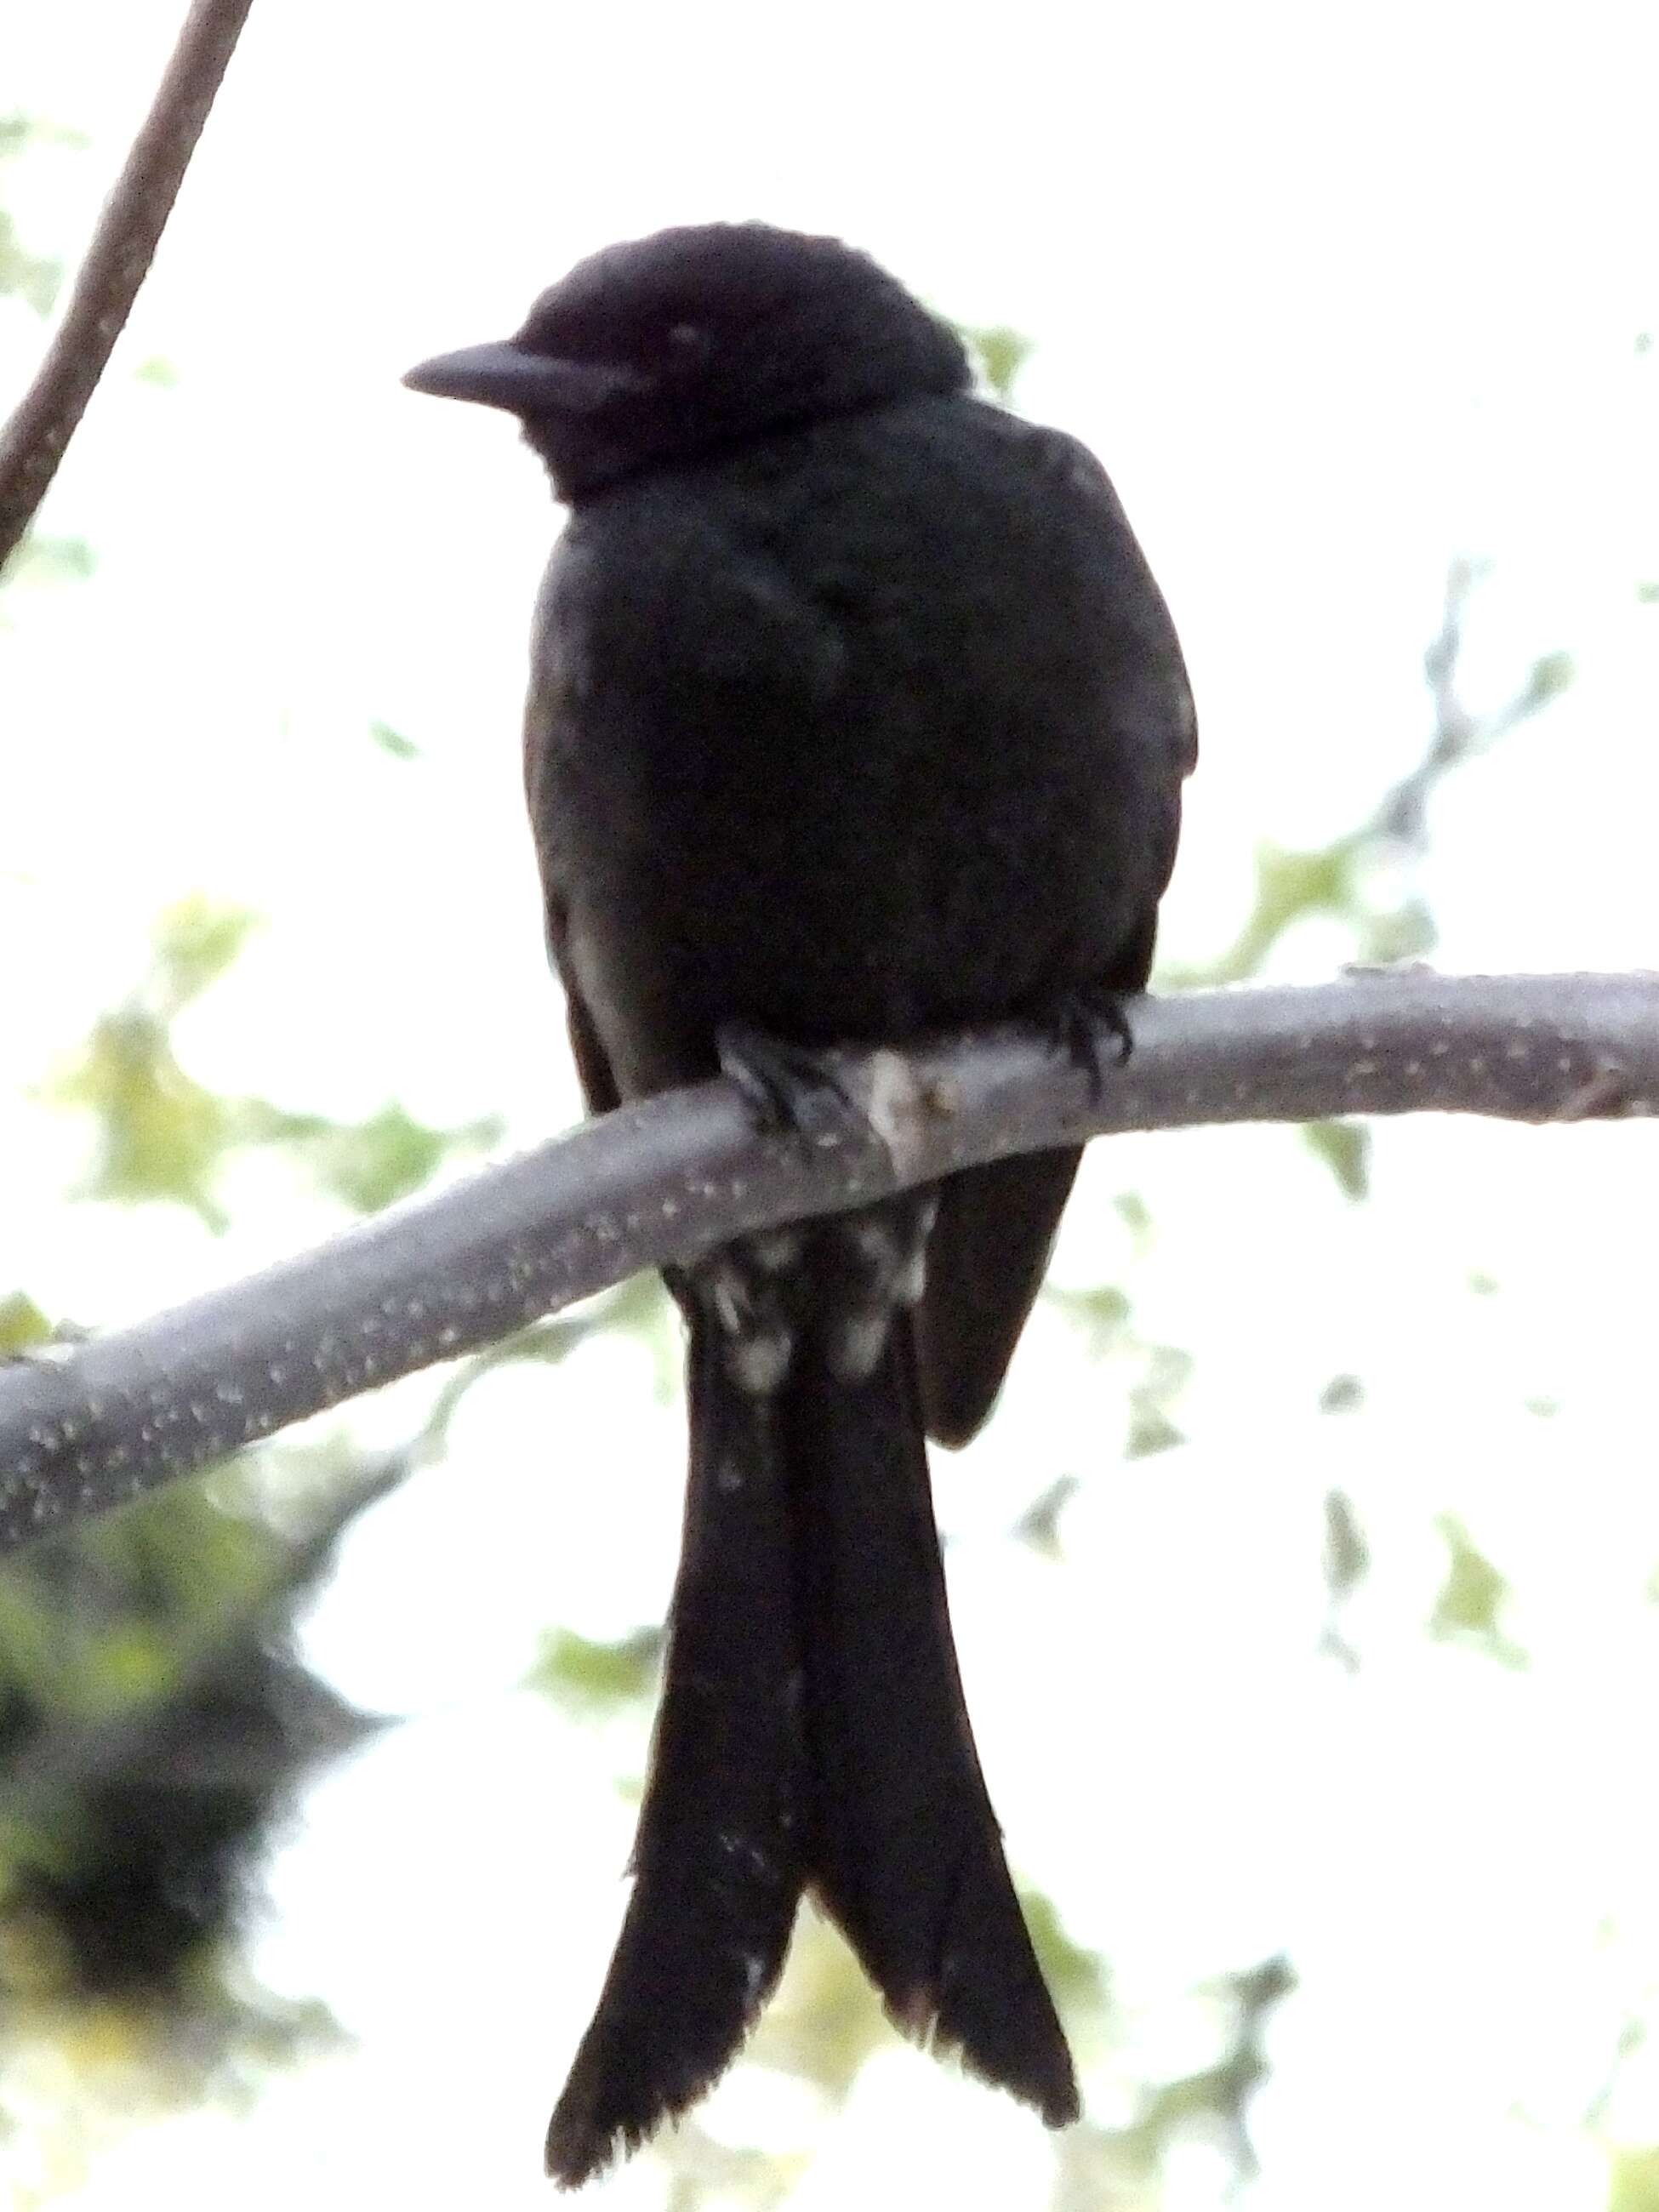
{"points": [[812, 1729], [907, 1853], [718, 1860]]}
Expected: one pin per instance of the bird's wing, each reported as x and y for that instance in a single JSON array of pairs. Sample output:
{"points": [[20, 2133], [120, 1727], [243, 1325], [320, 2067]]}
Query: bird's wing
{"points": [[989, 1249], [541, 713], [986, 1261], [987, 1257], [592, 1068], [1154, 676]]}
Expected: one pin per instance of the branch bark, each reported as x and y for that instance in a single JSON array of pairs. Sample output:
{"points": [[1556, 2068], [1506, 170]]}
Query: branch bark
{"points": [[34, 441], [88, 1427]]}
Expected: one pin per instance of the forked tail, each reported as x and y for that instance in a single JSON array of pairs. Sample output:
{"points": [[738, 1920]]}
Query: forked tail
{"points": [[812, 1731]]}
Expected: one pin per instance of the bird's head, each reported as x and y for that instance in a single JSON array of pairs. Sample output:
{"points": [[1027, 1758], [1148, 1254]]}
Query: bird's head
{"points": [[678, 344]]}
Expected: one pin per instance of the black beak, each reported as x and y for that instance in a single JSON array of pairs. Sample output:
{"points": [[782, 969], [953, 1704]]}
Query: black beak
{"points": [[505, 374]]}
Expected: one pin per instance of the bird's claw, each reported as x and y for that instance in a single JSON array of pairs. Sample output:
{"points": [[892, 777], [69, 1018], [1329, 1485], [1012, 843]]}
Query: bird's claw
{"points": [[788, 1088], [1082, 1024]]}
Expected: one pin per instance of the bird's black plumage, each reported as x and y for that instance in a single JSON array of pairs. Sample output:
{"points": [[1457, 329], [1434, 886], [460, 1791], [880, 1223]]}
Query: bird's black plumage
{"points": [[855, 712]]}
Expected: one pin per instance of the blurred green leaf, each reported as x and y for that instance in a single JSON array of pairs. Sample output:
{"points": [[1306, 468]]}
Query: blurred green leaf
{"points": [[1388, 935], [163, 1136], [1289, 886], [23, 1324], [108, 1621], [1163, 1377], [1347, 1555], [1077, 1978], [160, 1134], [1151, 1431], [393, 742], [1039, 1525], [597, 1677], [1291, 883], [1001, 354], [1341, 1394], [1552, 674], [18, 132], [1346, 1149], [195, 942], [1134, 1213], [1633, 2180], [1346, 1560], [368, 1164], [152, 1722], [42, 559], [1472, 1598], [32, 277], [1101, 1313], [35, 278]]}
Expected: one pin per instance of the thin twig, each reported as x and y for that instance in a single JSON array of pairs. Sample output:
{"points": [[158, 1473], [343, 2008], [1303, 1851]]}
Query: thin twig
{"points": [[34, 441], [89, 1426]]}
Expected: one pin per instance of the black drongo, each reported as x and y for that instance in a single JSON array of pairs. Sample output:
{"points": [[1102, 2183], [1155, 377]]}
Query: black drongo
{"points": [[855, 712]]}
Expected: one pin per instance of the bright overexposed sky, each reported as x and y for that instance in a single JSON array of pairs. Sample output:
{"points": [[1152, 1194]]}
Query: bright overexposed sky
{"points": [[1337, 293]]}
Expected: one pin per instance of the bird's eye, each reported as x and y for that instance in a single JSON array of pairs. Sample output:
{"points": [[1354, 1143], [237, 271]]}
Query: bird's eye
{"points": [[689, 342]]}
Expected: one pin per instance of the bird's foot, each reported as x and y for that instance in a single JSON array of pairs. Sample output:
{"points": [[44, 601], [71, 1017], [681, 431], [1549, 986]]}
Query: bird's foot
{"points": [[787, 1087], [1092, 1028]]}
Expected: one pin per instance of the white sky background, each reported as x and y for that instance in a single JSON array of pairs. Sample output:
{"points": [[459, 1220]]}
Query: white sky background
{"points": [[1336, 294]]}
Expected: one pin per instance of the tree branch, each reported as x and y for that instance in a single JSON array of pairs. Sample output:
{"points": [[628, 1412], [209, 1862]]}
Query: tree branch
{"points": [[34, 441], [87, 1427]]}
